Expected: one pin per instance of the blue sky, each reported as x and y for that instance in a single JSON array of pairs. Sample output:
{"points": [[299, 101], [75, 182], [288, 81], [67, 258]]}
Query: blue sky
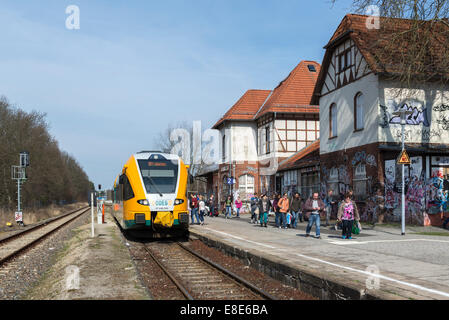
{"points": [[134, 67]]}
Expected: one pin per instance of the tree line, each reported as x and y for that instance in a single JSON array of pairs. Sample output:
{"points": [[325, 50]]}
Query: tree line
{"points": [[53, 177]]}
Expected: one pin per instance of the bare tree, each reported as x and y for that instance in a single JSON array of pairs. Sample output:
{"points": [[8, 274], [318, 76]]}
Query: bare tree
{"points": [[165, 143], [54, 176], [411, 45]]}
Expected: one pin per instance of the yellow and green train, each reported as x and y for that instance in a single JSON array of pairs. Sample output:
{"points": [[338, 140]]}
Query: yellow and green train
{"points": [[150, 195]]}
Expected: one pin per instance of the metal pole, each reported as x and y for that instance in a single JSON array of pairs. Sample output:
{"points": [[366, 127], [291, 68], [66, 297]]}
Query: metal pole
{"points": [[92, 212], [403, 182], [18, 195], [230, 159]]}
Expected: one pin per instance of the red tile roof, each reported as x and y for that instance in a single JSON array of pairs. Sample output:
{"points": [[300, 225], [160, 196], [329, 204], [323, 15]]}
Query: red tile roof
{"points": [[372, 41], [294, 93], [246, 107], [292, 162]]}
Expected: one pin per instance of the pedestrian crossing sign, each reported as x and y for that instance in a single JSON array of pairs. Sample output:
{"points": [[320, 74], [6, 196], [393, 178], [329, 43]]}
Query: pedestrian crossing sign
{"points": [[403, 158]]}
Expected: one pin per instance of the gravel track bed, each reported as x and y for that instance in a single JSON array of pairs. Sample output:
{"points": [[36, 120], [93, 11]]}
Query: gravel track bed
{"points": [[257, 278], [23, 272], [162, 288], [152, 277], [203, 281]]}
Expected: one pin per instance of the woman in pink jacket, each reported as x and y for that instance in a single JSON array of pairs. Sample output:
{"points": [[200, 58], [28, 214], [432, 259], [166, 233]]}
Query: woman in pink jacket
{"points": [[238, 205]]}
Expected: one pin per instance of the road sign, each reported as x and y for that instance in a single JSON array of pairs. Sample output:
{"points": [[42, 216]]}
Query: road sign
{"points": [[18, 216], [403, 158], [231, 181]]}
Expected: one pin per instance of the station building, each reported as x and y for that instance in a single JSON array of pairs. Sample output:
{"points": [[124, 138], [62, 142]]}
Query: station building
{"points": [[301, 172], [263, 128], [361, 137]]}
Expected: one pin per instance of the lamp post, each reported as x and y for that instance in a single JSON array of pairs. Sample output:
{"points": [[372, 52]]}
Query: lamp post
{"points": [[403, 114]]}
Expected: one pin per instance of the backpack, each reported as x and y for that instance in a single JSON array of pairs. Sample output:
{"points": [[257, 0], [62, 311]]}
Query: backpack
{"points": [[253, 202]]}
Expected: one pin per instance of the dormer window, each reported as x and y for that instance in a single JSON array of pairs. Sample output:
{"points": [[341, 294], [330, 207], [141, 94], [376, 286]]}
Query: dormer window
{"points": [[341, 62], [344, 60]]}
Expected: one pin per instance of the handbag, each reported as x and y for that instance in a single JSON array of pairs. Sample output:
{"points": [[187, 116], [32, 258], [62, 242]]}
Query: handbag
{"points": [[355, 228]]}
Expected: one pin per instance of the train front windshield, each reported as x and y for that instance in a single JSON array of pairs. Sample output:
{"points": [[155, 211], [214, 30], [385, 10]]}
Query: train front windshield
{"points": [[159, 175]]}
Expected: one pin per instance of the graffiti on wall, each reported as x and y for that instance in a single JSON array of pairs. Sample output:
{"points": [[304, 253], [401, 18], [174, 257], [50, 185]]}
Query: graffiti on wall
{"points": [[444, 122], [437, 193], [417, 117], [425, 134], [363, 157], [422, 196], [443, 107]]}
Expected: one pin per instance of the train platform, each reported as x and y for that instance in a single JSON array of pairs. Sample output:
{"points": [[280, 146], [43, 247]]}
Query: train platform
{"points": [[378, 263]]}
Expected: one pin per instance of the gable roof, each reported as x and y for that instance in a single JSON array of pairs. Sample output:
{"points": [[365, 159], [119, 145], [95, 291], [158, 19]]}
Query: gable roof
{"points": [[294, 93], [246, 107], [372, 41], [295, 160]]}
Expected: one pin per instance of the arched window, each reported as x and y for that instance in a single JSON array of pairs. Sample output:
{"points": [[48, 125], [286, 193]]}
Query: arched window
{"points": [[358, 112], [246, 185], [333, 120], [360, 181], [223, 147]]}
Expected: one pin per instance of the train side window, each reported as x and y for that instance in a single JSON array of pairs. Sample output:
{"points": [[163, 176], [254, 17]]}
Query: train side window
{"points": [[128, 192]]}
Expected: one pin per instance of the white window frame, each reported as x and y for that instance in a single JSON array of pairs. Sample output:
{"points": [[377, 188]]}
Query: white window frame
{"points": [[359, 112], [245, 184]]}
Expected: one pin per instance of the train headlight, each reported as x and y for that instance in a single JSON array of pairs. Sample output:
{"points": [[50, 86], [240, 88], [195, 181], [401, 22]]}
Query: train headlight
{"points": [[143, 202], [178, 201]]}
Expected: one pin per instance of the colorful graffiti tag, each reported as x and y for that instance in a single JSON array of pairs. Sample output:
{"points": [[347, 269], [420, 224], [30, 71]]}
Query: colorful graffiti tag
{"points": [[417, 117], [422, 196], [363, 157], [437, 193]]}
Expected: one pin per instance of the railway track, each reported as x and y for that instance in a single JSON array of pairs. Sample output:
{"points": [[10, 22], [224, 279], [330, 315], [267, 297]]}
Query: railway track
{"points": [[12, 246], [199, 278], [195, 277]]}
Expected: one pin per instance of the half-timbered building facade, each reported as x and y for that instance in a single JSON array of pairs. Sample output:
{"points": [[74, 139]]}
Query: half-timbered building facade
{"points": [[360, 136]]}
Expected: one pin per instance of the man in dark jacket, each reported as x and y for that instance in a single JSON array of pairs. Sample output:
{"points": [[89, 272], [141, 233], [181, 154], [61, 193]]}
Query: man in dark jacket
{"points": [[313, 208], [296, 205], [254, 204], [264, 207]]}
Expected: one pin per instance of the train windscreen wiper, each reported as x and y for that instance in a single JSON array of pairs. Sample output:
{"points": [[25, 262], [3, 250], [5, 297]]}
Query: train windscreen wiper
{"points": [[155, 186]]}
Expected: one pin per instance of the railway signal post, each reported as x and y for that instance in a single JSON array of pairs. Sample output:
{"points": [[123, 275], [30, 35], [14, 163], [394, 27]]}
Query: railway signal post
{"points": [[18, 173]]}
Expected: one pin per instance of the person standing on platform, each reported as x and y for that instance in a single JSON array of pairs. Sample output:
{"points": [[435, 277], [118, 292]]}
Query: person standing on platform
{"points": [[276, 210], [296, 205], [211, 204], [264, 208], [347, 213], [313, 208], [284, 205], [329, 203], [228, 204], [238, 206], [202, 209], [189, 206], [194, 205], [445, 223], [254, 204]]}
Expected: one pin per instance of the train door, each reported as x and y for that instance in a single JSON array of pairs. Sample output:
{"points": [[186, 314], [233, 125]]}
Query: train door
{"points": [[128, 194]]}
